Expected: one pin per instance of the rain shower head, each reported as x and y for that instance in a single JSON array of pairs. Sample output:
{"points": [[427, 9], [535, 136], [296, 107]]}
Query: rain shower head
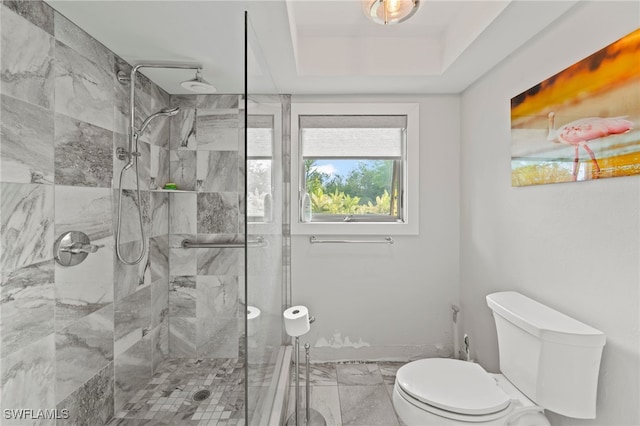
{"points": [[198, 84], [165, 112]]}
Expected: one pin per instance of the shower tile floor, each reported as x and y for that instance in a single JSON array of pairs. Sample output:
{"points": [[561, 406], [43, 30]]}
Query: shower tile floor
{"points": [[346, 394], [350, 394], [168, 397]]}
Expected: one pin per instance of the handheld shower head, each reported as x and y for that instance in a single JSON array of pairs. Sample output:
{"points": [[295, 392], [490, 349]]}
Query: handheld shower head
{"points": [[165, 112]]}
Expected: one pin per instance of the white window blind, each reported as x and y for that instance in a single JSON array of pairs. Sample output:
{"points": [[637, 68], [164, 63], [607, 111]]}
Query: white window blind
{"points": [[259, 136], [352, 136]]}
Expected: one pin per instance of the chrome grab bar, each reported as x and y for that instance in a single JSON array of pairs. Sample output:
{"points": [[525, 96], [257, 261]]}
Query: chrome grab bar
{"points": [[258, 242], [314, 240]]}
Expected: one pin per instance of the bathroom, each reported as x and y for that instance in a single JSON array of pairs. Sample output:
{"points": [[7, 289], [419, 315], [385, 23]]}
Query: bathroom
{"points": [[90, 345]]}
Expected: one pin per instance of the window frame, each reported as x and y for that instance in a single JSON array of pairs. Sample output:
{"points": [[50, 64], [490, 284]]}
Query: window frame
{"points": [[269, 226], [407, 223]]}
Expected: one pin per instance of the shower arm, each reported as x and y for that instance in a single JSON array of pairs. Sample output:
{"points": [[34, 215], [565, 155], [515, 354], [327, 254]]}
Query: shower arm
{"points": [[133, 132]]}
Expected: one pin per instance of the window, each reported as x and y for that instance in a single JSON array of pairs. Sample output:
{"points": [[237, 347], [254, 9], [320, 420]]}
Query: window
{"points": [[352, 167], [264, 166], [259, 166]]}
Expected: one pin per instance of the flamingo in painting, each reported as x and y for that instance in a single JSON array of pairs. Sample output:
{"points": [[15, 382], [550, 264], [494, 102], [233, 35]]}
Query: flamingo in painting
{"points": [[579, 132]]}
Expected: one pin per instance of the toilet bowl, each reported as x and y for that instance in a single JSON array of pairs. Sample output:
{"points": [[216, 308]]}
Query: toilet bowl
{"points": [[441, 391], [548, 360]]}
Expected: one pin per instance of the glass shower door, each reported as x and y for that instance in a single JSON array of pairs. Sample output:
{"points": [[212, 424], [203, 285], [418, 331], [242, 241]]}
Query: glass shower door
{"points": [[266, 258]]}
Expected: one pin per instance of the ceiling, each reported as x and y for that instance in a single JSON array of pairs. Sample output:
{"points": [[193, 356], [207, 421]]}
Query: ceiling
{"points": [[315, 46]]}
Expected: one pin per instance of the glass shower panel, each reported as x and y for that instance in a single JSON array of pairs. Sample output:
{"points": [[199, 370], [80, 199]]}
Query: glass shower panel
{"points": [[266, 259]]}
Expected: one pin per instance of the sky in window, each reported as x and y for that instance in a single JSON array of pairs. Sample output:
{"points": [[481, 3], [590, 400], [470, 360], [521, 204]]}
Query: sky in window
{"points": [[336, 167]]}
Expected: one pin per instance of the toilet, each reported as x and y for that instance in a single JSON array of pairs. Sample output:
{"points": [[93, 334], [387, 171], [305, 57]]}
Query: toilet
{"points": [[548, 360]]}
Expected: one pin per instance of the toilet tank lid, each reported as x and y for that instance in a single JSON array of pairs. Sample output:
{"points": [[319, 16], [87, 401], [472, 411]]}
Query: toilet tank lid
{"points": [[543, 321]]}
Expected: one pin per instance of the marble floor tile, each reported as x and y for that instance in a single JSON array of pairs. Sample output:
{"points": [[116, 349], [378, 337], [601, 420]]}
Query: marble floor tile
{"points": [[389, 370], [26, 224], [27, 150], [359, 374], [366, 406], [27, 74], [323, 399], [320, 374], [168, 396]]}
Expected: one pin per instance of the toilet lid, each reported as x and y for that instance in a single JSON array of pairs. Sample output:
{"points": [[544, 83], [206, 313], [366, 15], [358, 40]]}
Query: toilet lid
{"points": [[457, 386]]}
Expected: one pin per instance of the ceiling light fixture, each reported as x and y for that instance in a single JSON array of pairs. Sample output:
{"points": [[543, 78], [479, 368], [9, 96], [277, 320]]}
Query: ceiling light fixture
{"points": [[391, 11]]}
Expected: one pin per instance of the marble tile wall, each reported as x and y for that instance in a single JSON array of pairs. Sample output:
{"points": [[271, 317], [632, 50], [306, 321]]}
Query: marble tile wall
{"points": [[81, 338], [206, 164]]}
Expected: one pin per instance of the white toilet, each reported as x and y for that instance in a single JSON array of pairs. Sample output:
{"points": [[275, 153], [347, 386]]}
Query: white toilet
{"points": [[547, 359]]}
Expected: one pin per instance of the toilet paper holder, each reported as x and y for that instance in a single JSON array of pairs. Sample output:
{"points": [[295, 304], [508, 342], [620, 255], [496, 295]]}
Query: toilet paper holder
{"points": [[311, 417]]}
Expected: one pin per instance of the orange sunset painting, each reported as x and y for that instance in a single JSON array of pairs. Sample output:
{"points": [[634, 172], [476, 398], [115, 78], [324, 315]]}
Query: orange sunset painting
{"points": [[582, 123]]}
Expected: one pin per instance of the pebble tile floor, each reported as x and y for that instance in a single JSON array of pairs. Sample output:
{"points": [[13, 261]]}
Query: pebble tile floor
{"points": [[346, 394], [168, 397]]}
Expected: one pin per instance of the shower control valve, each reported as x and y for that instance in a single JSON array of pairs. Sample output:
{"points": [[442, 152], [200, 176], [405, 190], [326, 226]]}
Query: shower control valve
{"points": [[72, 247]]}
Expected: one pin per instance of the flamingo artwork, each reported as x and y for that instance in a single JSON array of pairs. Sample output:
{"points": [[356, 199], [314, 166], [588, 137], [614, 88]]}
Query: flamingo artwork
{"points": [[579, 132]]}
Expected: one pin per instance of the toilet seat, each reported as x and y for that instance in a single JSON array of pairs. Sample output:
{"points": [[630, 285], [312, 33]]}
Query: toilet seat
{"points": [[451, 388]]}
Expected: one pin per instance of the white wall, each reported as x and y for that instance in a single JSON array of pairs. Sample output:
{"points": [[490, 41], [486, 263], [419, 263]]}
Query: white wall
{"points": [[573, 246], [391, 302]]}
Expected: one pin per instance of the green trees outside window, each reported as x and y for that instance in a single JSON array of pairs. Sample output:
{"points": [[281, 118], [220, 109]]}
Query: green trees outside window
{"points": [[365, 190]]}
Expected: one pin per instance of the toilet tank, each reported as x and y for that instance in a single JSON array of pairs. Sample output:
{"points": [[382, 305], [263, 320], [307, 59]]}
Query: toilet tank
{"points": [[550, 357]]}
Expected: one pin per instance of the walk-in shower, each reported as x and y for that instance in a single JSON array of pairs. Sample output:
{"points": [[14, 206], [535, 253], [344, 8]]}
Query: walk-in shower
{"points": [[110, 341]]}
